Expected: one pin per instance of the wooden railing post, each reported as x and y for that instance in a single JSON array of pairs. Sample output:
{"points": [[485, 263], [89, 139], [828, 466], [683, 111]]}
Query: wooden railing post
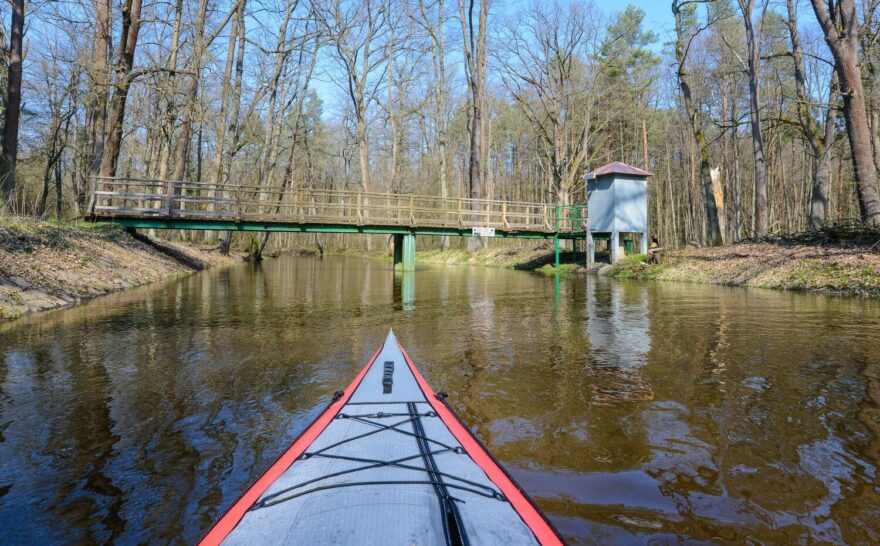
{"points": [[169, 194], [412, 218], [459, 213], [238, 202], [92, 199]]}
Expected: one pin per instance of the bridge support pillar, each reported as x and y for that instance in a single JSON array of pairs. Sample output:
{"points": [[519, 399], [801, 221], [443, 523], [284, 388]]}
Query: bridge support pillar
{"points": [[405, 252]]}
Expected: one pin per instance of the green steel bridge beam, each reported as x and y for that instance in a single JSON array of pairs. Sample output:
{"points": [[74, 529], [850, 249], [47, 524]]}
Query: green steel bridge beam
{"points": [[231, 225], [404, 236]]}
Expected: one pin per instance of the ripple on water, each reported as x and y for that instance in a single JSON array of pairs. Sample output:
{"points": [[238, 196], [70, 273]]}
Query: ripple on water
{"points": [[633, 413]]}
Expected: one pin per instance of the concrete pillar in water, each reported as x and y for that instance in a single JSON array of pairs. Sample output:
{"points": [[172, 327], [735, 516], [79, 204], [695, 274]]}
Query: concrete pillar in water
{"points": [[405, 252]]}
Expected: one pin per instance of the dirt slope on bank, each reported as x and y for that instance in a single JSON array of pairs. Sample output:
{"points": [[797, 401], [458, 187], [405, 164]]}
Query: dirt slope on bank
{"points": [[845, 270], [44, 265]]}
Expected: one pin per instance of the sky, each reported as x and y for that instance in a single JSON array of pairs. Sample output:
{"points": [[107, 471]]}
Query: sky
{"points": [[658, 18], [658, 14]]}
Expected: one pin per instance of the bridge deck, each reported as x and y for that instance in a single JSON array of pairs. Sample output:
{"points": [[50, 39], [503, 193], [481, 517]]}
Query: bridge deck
{"points": [[200, 205]]}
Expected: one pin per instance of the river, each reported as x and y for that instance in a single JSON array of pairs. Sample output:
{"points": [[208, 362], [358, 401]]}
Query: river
{"points": [[629, 412]]}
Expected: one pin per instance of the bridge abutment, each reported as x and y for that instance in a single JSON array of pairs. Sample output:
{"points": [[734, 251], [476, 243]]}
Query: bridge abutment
{"points": [[405, 252]]}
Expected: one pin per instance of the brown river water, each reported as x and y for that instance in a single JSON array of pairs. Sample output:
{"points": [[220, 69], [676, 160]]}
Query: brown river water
{"points": [[631, 413]]}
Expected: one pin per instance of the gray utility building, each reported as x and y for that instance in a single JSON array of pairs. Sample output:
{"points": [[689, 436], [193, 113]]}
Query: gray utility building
{"points": [[617, 201]]}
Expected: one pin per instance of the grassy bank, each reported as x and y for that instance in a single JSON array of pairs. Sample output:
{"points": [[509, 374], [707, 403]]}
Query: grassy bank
{"points": [[834, 265], [511, 258], [45, 265], [526, 258], [846, 270]]}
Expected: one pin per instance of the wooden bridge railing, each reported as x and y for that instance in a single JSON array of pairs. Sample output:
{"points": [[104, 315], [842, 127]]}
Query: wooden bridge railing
{"points": [[156, 199]]}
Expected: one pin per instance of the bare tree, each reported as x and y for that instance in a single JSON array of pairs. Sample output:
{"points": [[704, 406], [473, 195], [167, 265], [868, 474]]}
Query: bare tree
{"points": [[9, 155], [123, 76], [475, 62], [840, 24], [752, 67], [101, 84], [59, 100], [819, 140], [355, 30], [544, 60], [169, 89], [695, 115], [435, 30]]}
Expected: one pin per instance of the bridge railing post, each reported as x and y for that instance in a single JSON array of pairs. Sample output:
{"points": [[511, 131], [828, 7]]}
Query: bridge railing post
{"points": [[169, 196], [238, 202], [93, 180]]}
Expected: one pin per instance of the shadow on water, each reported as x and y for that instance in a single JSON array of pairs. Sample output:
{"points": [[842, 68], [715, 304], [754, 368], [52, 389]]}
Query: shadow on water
{"points": [[630, 412]]}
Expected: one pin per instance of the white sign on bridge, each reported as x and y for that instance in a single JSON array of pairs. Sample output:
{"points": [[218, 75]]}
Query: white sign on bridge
{"points": [[483, 232]]}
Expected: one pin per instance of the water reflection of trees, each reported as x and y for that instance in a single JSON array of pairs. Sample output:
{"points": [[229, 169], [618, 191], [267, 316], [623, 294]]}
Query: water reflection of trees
{"points": [[640, 411]]}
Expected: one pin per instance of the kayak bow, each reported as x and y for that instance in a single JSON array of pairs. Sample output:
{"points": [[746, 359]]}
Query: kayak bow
{"points": [[386, 463]]}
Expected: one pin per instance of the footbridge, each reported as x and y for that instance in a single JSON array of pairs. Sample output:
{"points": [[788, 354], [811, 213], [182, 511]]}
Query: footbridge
{"points": [[161, 204]]}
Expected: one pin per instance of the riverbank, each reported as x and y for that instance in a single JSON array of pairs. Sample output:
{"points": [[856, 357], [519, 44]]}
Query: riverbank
{"points": [[533, 258], [843, 270], [839, 263], [46, 266]]}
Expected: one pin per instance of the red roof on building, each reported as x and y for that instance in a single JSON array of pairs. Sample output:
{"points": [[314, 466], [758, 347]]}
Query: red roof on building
{"points": [[618, 168]]}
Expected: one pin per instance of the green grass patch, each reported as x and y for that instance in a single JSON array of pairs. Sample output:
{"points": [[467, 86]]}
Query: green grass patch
{"points": [[635, 267], [864, 281], [562, 269]]}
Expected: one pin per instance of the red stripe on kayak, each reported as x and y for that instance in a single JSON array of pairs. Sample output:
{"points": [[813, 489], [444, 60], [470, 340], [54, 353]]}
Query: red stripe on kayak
{"points": [[227, 523], [527, 511]]}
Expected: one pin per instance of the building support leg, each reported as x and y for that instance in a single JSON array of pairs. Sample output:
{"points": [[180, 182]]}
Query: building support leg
{"points": [[614, 244], [590, 249]]}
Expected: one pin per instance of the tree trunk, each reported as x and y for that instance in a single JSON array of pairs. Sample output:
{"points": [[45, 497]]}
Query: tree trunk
{"points": [[102, 84], [713, 229], [235, 114], [59, 197], [439, 56], [170, 117], [224, 102], [9, 156], [131, 23], [819, 194], [475, 69], [841, 29], [185, 136], [820, 144], [753, 45]]}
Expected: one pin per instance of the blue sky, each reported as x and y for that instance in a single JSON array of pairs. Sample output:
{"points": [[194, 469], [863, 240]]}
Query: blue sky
{"points": [[658, 18], [658, 14]]}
